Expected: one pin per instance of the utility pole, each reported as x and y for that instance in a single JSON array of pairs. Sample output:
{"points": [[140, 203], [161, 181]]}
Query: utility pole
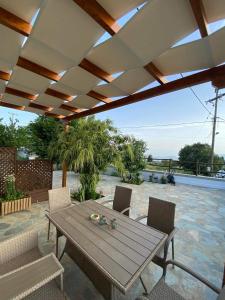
{"points": [[214, 125]]}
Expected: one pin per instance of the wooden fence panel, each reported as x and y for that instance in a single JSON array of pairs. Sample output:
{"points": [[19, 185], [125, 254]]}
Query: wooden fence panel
{"points": [[33, 177], [7, 165]]}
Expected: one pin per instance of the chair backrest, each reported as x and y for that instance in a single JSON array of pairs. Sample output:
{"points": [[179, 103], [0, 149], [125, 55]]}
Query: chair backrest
{"points": [[122, 199], [59, 198], [161, 215]]}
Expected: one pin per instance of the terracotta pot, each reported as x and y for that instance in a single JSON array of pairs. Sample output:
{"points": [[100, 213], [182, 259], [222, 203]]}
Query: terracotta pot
{"points": [[8, 207]]}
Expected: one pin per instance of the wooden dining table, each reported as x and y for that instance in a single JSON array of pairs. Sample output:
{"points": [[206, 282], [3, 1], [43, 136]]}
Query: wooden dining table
{"points": [[113, 259]]}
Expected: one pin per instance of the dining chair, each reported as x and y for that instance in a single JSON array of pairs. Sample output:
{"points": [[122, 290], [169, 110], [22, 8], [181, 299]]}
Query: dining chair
{"points": [[18, 252], [162, 291], [58, 199], [121, 201], [161, 216]]}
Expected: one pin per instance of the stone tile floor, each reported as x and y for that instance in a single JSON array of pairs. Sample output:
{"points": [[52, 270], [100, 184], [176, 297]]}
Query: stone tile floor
{"points": [[199, 243]]}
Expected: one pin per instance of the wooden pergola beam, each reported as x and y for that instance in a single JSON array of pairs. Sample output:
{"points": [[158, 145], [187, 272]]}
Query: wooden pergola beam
{"points": [[99, 97], [52, 115], [59, 95], [70, 108], [4, 76], [155, 72], [185, 82], [200, 16], [10, 105], [35, 68], [18, 93], [39, 106], [13, 22], [99, 14], [95, 70]]}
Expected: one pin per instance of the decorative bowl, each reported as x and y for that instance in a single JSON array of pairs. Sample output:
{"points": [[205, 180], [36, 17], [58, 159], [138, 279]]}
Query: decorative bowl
{"points": [[94, 217]]}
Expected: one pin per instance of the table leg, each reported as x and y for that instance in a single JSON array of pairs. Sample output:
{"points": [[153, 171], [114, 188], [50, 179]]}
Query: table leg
{"points": [[57, 242], [113, 293]]}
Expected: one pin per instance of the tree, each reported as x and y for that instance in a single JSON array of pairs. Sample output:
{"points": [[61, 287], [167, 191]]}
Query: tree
{"points": [[88, 148], [199, 153], [149, 159], [43, 131], [13, 135], [133, 157]]}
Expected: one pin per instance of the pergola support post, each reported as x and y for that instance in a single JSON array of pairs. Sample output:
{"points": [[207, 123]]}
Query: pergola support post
{"points": [[64, 165]]}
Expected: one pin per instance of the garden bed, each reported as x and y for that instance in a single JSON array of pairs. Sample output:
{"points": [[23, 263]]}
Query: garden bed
{"points": [[11, 206]]}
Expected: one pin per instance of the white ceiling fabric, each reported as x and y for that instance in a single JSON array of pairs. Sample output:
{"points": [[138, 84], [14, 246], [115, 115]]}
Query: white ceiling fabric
{"points": [[118, 8], [63, 34], [201, 54]]}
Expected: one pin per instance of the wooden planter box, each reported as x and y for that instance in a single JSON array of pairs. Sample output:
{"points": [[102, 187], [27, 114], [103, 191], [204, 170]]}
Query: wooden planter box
{"points": [[8, 207]]}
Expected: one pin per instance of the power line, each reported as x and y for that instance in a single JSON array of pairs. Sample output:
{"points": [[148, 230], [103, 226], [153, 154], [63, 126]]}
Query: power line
{"points": [[168, 124], [199, 100]]}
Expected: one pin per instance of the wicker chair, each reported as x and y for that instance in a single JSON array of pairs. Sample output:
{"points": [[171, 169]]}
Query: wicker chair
{"points": [[121, 201], [161, 215], [58, 198], [22, 250], [162, 291]]}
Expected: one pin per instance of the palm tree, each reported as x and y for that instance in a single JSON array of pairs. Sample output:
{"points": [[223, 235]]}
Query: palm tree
{"points": [[88, 147]]}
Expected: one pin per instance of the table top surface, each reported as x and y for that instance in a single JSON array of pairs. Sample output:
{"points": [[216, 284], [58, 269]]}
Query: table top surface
{"points": [[23, 281], [122, 253]]}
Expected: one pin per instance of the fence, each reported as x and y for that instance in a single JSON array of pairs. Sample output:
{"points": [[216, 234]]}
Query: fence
{"points": [[187, 167], [33, 177]]}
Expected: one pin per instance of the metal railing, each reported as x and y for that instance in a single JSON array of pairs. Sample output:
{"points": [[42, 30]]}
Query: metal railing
{"points": [[186, 167]]}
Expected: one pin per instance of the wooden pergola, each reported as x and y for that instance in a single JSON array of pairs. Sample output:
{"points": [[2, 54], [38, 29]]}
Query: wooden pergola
{"points": [[50, 63]]}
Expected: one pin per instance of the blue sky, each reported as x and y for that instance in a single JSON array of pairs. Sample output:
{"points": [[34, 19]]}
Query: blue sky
{"points": [[178, 107]]}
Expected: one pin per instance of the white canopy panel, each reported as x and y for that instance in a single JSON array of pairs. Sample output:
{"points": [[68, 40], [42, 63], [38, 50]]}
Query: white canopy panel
{"points": [[114, 56], [133, 80], [65, 27], [157, 27], [118, 8], [29, 79]]}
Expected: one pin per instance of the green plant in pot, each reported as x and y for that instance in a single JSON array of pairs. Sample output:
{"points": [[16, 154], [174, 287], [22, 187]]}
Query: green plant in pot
{"points": [[11, 193], [13, 200], [163, 179]]}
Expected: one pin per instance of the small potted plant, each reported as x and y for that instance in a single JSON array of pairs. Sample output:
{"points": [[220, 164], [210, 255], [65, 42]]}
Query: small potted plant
{"points": [[13, 200], [163, 179]]}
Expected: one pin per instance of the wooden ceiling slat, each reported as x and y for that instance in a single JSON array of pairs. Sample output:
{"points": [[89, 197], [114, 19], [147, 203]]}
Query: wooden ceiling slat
{"points": [[188, 81], [10, 105], [155, 72], [59, 95], [18, 93], [39, 106], [35, 68], [219, 82], [4, 76], [52, 115], [95, 70], [13, 22], [100, 15], [99, 97], [200, 16], [70, 108]]}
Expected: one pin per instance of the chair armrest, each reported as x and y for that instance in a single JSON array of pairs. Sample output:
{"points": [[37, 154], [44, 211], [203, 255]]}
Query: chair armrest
{"points": [[18, 245], [194, 274], [125, 210], [168, 241], [25, 280], [140, 218]]}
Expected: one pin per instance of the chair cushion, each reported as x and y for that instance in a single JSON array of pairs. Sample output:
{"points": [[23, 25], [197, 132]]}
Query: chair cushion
{"points": [[20, 261], [162, 291]]}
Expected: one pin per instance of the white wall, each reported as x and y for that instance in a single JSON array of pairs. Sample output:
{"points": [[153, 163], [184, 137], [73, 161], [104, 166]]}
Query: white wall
{"points": [[202, 181]]}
